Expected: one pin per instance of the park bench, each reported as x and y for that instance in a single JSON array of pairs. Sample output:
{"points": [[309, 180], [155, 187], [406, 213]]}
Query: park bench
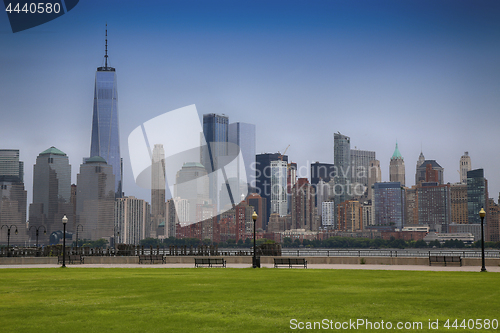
{"points": [[445, 259], [152, 259], [290, 262], [210, 262], [71, 259]]}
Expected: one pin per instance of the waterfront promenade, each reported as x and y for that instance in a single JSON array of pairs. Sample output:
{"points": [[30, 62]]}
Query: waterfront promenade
{"points": [[454, 268]]}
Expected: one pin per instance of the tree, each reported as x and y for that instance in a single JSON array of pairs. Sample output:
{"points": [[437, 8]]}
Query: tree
{"points": [[102, 243], [287, 242], [435, 243], [420, 244]]}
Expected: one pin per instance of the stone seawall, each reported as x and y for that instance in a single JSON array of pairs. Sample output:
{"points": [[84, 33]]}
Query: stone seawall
{"points": [[248, 260]]}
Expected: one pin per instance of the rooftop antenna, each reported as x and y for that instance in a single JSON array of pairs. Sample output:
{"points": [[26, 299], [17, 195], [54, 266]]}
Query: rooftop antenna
{"points": [[106, 54]]}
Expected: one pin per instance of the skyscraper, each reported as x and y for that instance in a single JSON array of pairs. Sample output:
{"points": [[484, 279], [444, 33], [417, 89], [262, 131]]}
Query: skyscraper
{"points": [[95, 199], [397, 167], [105, 131], [342, 160], [303, 211], [388, 205], [192, 184], [465, 165], [158, 205], [477, 196], [11, 169], [360, 163], [342, 157], [434, 205], [350, 216], [374, 176], [131, 220], [458, 195], [279, 191], [51, 193], [263, 177], [12, 197], [215, 130]]}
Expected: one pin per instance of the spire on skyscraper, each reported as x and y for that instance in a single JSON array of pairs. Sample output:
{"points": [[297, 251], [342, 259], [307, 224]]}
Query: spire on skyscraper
{"points": [[397, 154], [106, 49], [105, 140]]}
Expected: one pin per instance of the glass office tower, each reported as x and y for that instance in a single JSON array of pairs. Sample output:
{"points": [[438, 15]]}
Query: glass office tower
{"points": [[215, 129], [105, 137]]}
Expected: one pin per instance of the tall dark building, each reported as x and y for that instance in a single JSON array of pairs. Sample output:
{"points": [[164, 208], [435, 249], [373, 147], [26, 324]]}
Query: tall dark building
{"points": [[105, 131], [434, 205], [342, 159], [477, 195], [389, 205], [263, 177], [213, 157], [325, 171]]}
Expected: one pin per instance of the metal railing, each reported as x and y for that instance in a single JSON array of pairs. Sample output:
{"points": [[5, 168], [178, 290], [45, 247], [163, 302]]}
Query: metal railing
{"points": [[286, 252]]}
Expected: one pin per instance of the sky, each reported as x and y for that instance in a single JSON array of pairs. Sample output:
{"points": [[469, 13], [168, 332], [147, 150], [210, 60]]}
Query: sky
{"points": [[423, 73]]}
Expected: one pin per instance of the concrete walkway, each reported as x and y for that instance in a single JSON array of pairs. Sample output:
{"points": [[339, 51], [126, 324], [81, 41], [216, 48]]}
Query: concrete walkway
{"points": [[454, 268]]}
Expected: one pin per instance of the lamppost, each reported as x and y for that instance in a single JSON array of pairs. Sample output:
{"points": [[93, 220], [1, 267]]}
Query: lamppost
{"points": [[37, 229], [64, 221], [482, 214], [8, 233], [254, 218], [78, 226]]}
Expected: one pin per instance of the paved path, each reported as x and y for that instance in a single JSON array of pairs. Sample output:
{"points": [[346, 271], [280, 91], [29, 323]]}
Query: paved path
{"points": [[453, 268]]}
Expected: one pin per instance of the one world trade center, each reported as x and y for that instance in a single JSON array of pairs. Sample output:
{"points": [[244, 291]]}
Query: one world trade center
{"points": [[105, 140]]}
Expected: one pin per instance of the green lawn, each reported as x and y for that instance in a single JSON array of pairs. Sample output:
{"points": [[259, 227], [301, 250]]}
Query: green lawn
{"points": [[236, 300]]}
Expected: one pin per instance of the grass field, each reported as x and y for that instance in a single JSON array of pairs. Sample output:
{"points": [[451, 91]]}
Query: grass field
{"points": [[236, 300]]}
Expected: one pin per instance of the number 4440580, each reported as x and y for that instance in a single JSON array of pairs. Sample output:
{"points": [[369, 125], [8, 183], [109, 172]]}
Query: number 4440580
{"points": [[33, 8], [472, 324]]}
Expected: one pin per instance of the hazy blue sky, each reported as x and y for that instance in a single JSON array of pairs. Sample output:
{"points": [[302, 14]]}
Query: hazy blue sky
{"points": [[424, 73]]}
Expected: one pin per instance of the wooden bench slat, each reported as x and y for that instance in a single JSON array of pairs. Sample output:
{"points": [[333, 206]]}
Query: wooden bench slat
{"points": [[290, 262], [209, 261], [445, 259]]}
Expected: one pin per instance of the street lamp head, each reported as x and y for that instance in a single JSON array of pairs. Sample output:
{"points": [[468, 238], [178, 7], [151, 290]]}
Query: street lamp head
{"points": [[16, 230], [64, 220], [482, 213], [44, 232], [254, 216]]}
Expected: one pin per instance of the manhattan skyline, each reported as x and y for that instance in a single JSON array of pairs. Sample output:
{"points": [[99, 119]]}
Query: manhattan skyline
{"points": [[422, 73]]}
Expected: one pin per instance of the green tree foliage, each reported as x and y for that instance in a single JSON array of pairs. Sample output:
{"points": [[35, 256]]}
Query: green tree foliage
{"points": [[102, 243]]}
